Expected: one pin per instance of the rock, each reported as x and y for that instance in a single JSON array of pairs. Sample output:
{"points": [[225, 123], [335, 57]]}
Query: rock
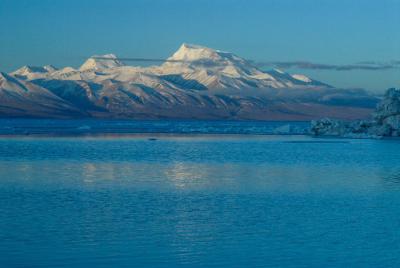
{"points": [[392, 121], [379, 130], [389, 106]]}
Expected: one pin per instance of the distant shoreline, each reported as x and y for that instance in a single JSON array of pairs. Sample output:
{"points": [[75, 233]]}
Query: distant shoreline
{"points": [[90, 127]]}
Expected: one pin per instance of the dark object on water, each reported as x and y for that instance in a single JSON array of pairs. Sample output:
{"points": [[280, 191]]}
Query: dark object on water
{"points": [[152, 139]]}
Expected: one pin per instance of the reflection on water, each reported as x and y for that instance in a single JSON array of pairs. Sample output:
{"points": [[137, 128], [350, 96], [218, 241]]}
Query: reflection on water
{"points": [[190, 176], [199, 201], [181, 175]]}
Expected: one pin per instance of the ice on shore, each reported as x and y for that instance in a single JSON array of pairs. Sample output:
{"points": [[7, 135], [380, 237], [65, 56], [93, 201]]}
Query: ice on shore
{"points": [[385, 121]]}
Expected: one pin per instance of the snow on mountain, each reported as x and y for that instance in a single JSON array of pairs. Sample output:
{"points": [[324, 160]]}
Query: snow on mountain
{"points": [[50, 68], [188, 52], [302, 78], [25, 70], [195, 82], [34, 72]]}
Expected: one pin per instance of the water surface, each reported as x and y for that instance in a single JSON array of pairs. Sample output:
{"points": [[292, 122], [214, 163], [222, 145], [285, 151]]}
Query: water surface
{"points": [[199, 201]]}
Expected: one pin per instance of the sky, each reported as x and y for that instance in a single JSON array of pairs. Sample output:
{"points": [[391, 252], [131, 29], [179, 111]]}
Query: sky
{"points": [[318, 32]]}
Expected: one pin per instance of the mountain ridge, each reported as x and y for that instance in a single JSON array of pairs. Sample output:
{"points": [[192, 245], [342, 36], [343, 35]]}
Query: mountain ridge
{"points": [[196, 82]]}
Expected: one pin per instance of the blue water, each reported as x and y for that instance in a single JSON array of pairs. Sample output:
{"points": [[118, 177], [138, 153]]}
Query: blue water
{"points": [[123, 127], [199, 201]]}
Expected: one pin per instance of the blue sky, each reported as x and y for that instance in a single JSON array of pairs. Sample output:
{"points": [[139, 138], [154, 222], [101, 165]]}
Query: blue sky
{"points": [[336, 32]]}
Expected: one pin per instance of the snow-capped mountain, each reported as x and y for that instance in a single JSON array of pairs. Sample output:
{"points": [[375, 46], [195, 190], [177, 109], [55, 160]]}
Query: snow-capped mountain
{"points": [[195, 82], [219, 69]]}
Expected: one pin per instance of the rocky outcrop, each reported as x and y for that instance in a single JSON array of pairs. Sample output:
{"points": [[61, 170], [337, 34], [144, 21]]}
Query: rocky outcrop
{"points": [[385, 121]]}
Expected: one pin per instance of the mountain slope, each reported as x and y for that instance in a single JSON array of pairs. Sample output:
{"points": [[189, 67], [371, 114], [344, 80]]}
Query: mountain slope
{"points": [[24, 99]]}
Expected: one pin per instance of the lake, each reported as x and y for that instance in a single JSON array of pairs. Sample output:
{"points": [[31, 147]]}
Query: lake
{"points": [[197, 198]]}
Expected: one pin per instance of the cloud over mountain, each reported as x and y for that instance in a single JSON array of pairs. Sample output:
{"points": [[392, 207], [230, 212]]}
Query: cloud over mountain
{"points": [[366, 65]]}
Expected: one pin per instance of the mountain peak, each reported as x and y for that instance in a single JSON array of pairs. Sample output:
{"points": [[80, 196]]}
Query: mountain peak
{"points": [[25, 70], [97, 62], [191, 52], [192, 46]]}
